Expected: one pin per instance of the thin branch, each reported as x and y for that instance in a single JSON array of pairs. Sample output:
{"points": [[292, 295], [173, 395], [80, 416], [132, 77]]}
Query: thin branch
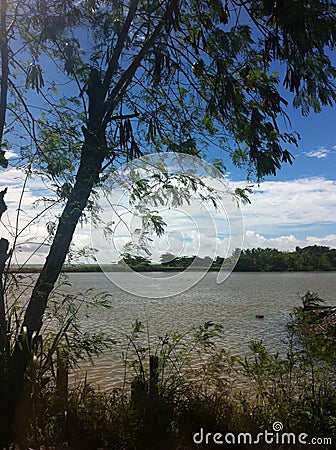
{"points": [[26, 108], [12, 24], [32, 131], [121, 86], [113, 63], [124, 116], [4, 68], [16, 234], [79, 86]]}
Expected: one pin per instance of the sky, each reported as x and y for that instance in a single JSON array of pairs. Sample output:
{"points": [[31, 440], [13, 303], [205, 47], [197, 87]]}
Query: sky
{"points": [[297, 207]]}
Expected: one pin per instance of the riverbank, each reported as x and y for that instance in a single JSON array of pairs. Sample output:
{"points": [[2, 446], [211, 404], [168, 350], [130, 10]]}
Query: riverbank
{"points": [[308, 259], [172, 405], [95, 268]]}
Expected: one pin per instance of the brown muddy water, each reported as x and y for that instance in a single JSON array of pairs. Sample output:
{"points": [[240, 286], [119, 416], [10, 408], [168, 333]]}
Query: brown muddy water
{"points": [[234, 304]]}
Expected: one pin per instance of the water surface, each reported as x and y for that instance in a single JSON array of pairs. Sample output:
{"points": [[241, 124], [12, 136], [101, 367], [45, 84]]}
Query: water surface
{"points": [[234, 304]]}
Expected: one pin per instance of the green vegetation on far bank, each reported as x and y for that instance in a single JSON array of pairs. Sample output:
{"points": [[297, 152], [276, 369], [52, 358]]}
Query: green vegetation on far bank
{"points": [[311, 258]]}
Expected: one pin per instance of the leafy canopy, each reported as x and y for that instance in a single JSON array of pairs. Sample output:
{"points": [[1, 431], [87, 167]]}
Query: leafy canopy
{"points": [[155, 75]]}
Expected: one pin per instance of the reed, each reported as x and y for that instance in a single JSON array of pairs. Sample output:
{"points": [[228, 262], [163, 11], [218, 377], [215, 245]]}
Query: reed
{"points": [[167, 398]]}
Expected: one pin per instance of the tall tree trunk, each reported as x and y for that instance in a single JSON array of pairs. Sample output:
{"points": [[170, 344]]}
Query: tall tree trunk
{"points": [[4, 244], [93, 155], [3, 338]]}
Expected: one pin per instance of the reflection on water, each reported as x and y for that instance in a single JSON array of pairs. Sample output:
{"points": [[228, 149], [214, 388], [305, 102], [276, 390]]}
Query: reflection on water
{"points": [[234, 304]]}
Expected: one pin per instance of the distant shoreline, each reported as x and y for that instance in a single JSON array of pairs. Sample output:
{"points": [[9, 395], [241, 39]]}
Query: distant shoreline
{"points": [[152, 268], [308, 259]]}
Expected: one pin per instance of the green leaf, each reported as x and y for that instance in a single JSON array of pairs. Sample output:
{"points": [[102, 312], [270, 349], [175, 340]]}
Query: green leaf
{"points": [[34, 77]]}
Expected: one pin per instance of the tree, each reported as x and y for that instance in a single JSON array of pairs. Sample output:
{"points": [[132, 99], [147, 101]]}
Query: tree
{"points": [[111, 80], [135, 261], [168, 259], [4, 75], [153, 65]]}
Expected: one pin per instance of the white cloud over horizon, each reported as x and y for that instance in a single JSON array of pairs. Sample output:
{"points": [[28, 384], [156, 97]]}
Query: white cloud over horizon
{"points": [[282, 214], [286, 243], [286, 214], [295, 204]]}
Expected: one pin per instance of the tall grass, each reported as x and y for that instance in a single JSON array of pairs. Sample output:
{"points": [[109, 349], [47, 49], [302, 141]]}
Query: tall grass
{"points": [[182, 383]]}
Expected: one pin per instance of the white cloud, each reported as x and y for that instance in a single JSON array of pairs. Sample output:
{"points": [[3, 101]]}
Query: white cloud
{"points": [[25, 217], [9, 154], [278, 206], [286, 214], [283, 215], [286, 243], [319, 153]]}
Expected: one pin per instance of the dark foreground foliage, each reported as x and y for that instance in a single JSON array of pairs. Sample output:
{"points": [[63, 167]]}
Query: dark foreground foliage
{"points": [[184, 385]]}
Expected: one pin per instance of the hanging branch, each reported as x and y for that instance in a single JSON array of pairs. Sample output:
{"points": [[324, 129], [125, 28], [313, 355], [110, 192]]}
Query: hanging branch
{"points": [[4, 255], [3, 206], [4, 77]]}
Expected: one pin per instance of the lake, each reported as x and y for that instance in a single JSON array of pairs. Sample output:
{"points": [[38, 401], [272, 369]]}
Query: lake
{"points": [[234, 303]]}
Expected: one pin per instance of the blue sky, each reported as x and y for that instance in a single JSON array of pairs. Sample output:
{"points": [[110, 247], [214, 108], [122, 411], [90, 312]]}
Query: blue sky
{"points": [[298, 206], [315, 155], [295, 208]]}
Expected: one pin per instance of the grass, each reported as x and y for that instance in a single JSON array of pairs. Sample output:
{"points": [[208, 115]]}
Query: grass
{"points": [[167, 398]]}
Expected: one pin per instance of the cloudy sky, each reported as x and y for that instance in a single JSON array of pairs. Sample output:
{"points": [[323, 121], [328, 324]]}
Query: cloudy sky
{"points": [[295, 208], [298, 206]]}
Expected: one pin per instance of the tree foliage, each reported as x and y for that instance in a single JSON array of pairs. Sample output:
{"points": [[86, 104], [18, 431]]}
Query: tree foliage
{"points": [[173, 75], [314, 257], [310, 258], [88, 85]]}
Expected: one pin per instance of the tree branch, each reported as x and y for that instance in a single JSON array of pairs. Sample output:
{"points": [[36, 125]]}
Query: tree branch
{"points": [[112, 65], [4, 69], [123, 83], [11, 25]]}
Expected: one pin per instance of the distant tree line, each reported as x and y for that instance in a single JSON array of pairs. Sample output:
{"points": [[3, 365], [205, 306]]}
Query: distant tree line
{"points": [[314, 257]]}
